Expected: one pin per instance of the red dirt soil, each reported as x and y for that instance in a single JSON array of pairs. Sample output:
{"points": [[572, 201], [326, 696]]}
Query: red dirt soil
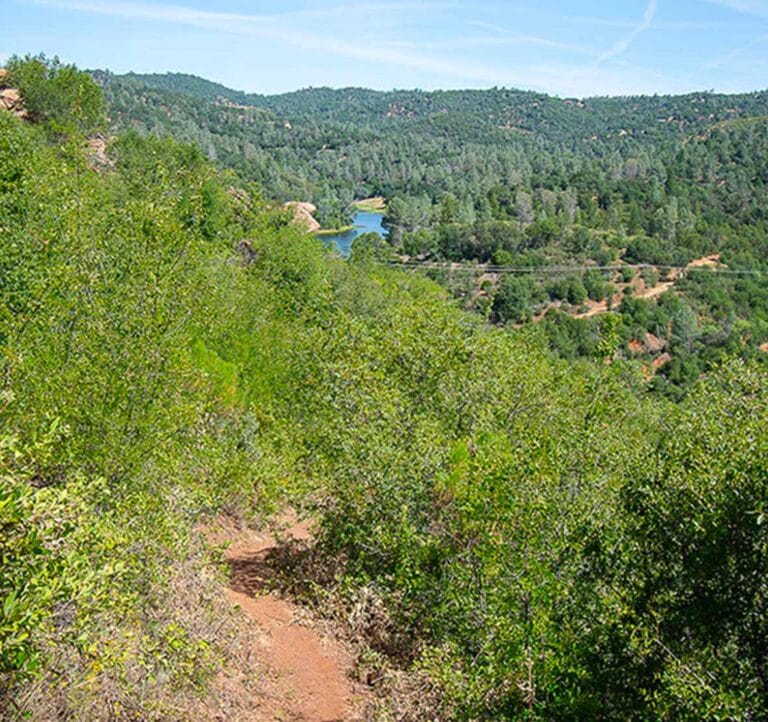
{"points": [[640, 290], [309, 671]]}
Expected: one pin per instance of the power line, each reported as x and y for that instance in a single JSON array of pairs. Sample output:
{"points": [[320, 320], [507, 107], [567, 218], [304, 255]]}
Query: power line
{"points": [[560, 270]]}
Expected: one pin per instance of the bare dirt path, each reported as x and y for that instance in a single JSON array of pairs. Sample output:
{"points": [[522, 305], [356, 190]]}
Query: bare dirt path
{"points": [[642, 291], [308, 670], [599, 307]]}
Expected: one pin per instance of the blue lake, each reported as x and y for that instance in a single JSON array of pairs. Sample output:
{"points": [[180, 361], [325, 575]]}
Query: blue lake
{"points": [[364, 222]]}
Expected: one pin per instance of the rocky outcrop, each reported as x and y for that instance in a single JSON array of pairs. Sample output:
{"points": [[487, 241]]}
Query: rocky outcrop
{"points": [[247, 252], [303, 215], [240, 197], [653, 343], [97, 153], [10, 99]]}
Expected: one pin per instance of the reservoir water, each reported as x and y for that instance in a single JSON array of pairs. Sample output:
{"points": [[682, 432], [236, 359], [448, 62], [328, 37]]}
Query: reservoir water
{"points": [[364, 222]]}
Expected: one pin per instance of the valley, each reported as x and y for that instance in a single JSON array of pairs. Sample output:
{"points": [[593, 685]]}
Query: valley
{"points": [[498, 452], [642, 182]]}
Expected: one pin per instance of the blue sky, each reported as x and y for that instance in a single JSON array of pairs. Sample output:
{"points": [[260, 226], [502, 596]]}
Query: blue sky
{"points": [[591, 47]]}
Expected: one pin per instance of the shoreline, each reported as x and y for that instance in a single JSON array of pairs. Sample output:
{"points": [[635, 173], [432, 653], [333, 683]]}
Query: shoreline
{"points": [[370, 205], [374, 206], [334, 231]]}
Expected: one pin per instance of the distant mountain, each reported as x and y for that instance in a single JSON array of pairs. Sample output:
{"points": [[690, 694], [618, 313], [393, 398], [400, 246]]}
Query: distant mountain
{"points": [[190, 85], [331, 146], [503, 108]]}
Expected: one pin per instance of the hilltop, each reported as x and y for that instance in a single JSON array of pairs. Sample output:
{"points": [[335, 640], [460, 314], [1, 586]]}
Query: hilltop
{"points": [[504, 107]]}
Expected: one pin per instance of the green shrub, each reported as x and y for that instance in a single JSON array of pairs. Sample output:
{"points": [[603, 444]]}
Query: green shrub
{"points": [[58, 94]]}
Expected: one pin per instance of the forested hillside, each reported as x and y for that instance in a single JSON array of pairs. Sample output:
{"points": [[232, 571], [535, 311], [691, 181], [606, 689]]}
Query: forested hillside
{"points": [[623, 190], [421, 146], [524, 535]]}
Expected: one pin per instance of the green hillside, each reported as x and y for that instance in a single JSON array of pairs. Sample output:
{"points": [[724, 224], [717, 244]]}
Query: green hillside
{"points": [[508, 178], [536, 537]]}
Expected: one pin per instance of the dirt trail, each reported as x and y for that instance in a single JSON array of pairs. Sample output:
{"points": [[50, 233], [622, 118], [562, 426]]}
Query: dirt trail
{"points": [[640, 290], [599, 307], [656, 290], [309, 671]]}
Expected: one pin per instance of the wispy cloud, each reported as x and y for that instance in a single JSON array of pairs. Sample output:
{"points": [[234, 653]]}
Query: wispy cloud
{"points": [[755, 8], [679, 25], [154, 11], [275, 28], [438, 59], [606, 75], [593, 22], [619, 78], [622, 44], [726, 59], [358, 10], [501, 39]]}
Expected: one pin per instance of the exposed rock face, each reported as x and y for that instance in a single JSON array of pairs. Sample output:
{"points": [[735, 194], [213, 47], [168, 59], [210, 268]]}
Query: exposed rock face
{"points": [[97, 153], [10, 98], [241, 197], [248, 252], [303, 215], [653, 343]]}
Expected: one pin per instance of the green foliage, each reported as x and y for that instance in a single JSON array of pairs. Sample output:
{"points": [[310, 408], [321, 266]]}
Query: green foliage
{"points": [[23, 567], [683, 564], [370, 247], [510, 178], [123, 414], [58, 94], [596, 287], [541, 536], [515, 298]]}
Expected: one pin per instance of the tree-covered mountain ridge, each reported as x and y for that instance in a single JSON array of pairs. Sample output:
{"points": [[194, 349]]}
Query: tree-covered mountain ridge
{"points": [[513, 178], [505, 109]]}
